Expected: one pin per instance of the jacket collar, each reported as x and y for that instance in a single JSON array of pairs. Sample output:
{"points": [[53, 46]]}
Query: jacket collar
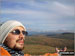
{"points": [[11, 51]]}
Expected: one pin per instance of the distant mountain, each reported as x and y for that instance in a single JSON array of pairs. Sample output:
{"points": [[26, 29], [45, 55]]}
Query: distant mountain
{"points": [[50, 33], [40, 33], [64, 35]]}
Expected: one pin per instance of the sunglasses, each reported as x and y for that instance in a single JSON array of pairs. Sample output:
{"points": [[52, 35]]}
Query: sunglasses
{"points": [[17, 32]]}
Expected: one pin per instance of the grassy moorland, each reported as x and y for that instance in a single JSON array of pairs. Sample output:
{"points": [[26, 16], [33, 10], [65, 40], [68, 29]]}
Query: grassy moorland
{"points": [[41, 44]]}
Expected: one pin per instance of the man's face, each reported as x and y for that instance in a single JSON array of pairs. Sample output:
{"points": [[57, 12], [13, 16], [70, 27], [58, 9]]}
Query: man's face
{"points": [[15, 41]]}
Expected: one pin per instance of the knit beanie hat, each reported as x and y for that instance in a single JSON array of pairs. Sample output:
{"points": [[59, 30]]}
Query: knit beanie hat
{"points": [[6, 27]]}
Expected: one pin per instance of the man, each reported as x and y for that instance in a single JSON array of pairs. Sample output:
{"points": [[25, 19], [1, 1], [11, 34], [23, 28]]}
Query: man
{"points": [[12, 36]]}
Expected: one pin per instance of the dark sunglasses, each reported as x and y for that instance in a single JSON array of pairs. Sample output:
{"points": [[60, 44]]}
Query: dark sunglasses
{"points": [[17, 32]]}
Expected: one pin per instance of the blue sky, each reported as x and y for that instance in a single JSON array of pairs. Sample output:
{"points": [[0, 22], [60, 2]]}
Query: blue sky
{"points": [[40, 15]]}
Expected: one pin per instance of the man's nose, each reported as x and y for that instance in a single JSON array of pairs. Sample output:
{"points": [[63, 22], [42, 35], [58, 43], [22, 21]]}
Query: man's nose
{"points": [[21, 36]]}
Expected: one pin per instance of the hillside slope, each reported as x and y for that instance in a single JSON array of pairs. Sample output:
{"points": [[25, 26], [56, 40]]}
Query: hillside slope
{"points": [[42, 44]]}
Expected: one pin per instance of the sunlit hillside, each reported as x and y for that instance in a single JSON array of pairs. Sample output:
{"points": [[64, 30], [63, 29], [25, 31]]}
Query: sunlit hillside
{"points": [[40, 44]]}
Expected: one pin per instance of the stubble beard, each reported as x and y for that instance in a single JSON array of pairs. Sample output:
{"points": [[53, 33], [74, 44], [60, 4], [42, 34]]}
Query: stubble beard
{"points": [[16, 47]]}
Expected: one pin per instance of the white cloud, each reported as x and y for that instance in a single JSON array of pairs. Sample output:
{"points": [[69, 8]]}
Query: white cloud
{"points": [[52, 6], [55, 9], [59, 25], [32, 13], [48, 13], [17, 12], [63, 9]]}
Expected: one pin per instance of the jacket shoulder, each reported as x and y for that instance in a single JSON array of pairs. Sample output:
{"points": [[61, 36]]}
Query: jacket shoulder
{"points": [[51, 54], [4, 52]]}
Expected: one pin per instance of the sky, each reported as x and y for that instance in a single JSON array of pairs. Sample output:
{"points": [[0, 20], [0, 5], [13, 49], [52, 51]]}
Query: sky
{"points": [[40, 15]]}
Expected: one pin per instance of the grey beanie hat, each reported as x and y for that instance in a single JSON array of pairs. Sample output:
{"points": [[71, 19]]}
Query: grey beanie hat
{"points": [[6, 27]]}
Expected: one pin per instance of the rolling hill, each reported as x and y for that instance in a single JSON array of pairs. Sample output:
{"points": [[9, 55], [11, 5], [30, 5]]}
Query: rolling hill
{"points": [[41, 44]]}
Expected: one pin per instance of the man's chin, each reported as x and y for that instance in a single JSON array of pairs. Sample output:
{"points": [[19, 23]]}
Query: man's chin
{"points": [[19, 47]]}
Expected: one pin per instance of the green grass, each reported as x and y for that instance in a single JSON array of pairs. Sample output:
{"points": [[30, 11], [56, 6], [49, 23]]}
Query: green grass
{"points": [[38, 49], [44, 44]]}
